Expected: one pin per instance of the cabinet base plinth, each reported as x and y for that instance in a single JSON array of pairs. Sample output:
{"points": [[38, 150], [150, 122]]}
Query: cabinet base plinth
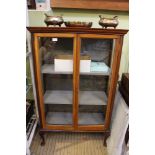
{"points": [[43, 131]]}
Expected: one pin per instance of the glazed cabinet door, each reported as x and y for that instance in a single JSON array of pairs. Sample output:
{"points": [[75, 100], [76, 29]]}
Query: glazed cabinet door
{"points": [[54, 56], [96, 57]]}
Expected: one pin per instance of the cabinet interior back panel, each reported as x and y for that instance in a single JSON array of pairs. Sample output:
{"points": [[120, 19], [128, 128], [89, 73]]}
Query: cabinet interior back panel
{"points": [[98, 49], [65, 82]]}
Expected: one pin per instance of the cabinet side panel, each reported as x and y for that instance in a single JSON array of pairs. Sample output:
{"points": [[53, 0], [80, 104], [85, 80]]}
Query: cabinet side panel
{"points": [[114, 78], [38, 79]]}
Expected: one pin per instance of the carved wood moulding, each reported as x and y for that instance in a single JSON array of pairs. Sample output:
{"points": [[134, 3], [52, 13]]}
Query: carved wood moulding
{"points": [[117, 5]]}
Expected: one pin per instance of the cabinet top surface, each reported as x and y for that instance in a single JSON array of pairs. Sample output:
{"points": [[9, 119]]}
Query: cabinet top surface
{"points": [[76, 30]]}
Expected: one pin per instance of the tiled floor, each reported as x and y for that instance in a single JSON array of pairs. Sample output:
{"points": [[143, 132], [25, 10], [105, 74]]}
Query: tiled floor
{"points": [[60, 143]]}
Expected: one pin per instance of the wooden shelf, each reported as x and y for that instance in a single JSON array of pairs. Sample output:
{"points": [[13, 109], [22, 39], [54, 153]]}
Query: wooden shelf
{"points": [[92, 98], [54, 118], [76, 30], [119, 5], [58, 97], [49, 69], [85, 97], [59, 118], [90, 118]]}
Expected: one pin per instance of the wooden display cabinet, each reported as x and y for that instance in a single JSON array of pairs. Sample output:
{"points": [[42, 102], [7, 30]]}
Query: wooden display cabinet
{"points": [[73, 100]]}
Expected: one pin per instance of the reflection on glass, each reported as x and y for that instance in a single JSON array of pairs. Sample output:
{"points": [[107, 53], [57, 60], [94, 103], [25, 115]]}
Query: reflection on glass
{"points": [[56, 60], [94, 83]]}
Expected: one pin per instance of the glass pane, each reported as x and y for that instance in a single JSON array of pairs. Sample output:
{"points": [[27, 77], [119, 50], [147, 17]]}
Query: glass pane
{"points": [[95, 71], [29, 90], [56, 59]]}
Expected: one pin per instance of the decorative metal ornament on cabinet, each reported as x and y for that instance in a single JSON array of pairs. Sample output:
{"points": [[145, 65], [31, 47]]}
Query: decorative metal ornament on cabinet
{"points": [[108, 22]]}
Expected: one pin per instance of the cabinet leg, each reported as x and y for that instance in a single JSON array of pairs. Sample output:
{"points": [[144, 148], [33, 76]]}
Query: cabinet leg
{"points": [[42, 137], [107, 134]]}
